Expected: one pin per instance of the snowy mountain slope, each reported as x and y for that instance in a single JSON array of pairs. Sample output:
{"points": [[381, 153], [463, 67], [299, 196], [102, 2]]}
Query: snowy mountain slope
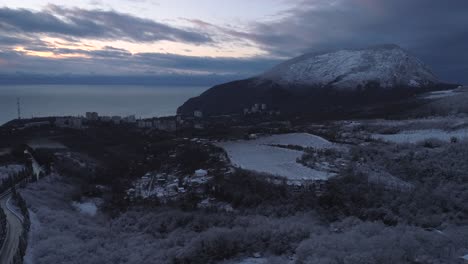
{"points": [[327, 85], [388, 65]]}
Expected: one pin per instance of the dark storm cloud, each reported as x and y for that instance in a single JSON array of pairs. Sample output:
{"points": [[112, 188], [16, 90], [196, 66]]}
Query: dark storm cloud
{"points": [[340, 24], [435, 31], [95, 24], [208, 64]]}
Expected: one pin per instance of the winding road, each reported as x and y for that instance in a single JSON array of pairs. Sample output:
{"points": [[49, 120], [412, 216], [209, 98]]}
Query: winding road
{"points": [[14, 228]]}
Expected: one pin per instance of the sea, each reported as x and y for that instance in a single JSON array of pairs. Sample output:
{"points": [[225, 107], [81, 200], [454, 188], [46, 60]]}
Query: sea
{"points": [[76, 100]]}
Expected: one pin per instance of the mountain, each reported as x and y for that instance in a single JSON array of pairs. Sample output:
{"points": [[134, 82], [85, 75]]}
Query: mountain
{"points": [[387, 64], [323, 83]]}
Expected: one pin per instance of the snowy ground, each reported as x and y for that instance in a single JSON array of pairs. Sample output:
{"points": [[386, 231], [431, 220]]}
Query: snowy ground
{"points": [[7, 170], [263, 260], [440, 94], [451, 122], [33, 232], [414, 136], [254, 261], [258, 155], [297, 139], [87, 208], [465, 257]]}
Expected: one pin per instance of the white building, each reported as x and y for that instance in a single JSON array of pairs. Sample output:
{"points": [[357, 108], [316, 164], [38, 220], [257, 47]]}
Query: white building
{"points": [[198, 114], [70, 122], [92, 116], [144, 124]]}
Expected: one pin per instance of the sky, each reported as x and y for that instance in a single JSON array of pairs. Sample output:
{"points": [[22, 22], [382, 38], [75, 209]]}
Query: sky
{"points": [[230, 39]]}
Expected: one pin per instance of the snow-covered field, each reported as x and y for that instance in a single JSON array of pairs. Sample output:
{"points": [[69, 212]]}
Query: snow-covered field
{"points": [[7, 170], [297, 139], [258, 155], [414, 136]]}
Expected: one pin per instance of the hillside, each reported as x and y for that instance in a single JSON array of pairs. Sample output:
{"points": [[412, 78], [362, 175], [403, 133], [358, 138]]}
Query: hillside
{"points": [[326, 84]]}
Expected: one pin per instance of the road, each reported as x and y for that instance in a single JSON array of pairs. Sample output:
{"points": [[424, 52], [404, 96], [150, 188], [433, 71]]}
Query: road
{"points": [[14, 229]]}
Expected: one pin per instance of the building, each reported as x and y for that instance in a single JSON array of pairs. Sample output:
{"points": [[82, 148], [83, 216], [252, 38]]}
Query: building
{"points": [[93, 116], [105, 118], [116, 119], [129, 119], [179, 119], [69, 122], [255, 108], [144, 124], [199, 126], [61, 122], [168, 124], [76, 122], [198, 114]]}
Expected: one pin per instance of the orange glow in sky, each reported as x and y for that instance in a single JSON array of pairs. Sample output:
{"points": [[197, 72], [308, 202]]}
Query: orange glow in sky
{"points": [[238, 50], [49, 54]]}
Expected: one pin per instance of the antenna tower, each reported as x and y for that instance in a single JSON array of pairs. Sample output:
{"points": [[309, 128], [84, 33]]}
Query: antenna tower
{"points": [[19, 107]]}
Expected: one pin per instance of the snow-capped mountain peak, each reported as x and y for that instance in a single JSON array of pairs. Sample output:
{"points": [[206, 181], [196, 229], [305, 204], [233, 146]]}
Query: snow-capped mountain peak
{"points": [[388, 65]]}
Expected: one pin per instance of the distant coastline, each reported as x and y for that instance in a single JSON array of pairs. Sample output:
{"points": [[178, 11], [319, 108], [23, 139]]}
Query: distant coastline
{"points": [[75, 100], [153, 80]]}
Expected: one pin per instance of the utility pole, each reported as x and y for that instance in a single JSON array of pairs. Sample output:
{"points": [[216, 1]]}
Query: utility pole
{"points": [[19, 107]]}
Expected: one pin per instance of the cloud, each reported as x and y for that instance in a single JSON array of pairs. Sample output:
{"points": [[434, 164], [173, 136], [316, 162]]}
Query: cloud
{"points": [[435, 31], [93, 24], [115, 61], [344, 23]]}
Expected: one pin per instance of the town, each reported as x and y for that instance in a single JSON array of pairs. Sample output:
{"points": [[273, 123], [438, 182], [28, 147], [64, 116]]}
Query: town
{"points": [[195, 121]]}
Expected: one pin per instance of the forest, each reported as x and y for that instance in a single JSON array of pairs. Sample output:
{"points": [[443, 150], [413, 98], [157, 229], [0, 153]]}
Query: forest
{"points": [[355, 219]]}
